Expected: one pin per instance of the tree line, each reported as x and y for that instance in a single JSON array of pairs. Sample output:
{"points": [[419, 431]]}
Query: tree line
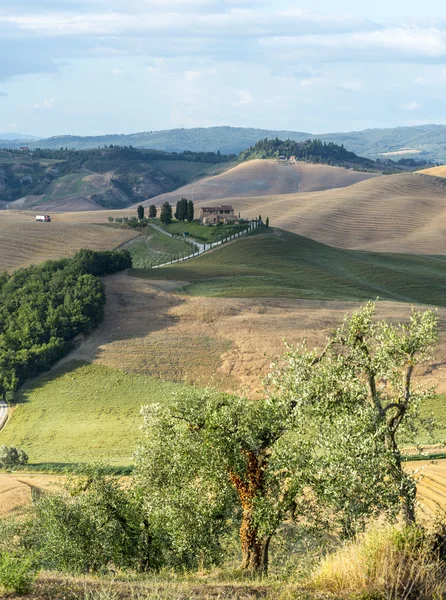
{"points": [[314, 151], [44, 307]]}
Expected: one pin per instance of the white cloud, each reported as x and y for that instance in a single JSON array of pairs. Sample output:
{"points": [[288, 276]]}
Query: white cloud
{"points": [[351, 86], [46, 104], [410, 105], [192, 75], [245, 97]]}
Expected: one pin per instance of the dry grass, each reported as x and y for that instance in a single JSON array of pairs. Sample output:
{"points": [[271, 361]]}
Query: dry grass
{"points": [[392, 213], [24, 242], [149, 328], [51, 586], [383, 564], [403, 213], [435, 171], [265, 178], [16, 490]]}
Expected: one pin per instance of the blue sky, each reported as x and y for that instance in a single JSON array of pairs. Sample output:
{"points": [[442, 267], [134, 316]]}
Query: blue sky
{"points": [[88, 67]]}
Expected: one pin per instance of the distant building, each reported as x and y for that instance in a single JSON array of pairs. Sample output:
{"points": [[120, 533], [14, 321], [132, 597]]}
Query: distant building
{"points": [[24, 149], [213, 215]]}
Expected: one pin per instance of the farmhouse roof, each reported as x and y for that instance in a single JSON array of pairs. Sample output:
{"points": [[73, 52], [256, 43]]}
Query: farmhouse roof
{"points": [[220, 207]]}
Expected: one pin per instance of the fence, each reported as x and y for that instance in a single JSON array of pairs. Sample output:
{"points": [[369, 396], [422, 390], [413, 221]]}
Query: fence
{"points": [[204, 247]]}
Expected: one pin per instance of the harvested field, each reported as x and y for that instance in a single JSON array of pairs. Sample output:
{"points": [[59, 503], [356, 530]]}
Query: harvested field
{"points": [[265, 178], [395, 213], [404, 213], [24, 242], [431, 477], [151, 329], [435, 171], [16, 490]]}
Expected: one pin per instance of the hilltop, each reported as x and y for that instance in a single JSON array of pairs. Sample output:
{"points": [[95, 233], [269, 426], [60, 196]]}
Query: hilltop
{"points": [[262, 177], [423, 142]]}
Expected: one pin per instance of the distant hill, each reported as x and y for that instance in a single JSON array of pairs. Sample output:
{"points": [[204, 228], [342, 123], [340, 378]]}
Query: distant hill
{"points": [[425, 142], [93, 179], [16, 136]]}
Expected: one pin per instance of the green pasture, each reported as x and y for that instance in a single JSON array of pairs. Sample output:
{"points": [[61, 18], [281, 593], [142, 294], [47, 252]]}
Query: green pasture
{"points": [[278, 263]]}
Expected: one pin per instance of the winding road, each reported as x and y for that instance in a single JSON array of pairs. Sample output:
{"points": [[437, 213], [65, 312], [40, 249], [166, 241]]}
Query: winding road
{"points": [[3, 413]]}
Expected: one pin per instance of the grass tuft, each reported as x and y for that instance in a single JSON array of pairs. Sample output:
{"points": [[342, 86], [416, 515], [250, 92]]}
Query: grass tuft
{"points": [[383, 564]]}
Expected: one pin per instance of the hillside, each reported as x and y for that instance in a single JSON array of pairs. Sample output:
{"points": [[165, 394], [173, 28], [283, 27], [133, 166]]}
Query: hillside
{"points": [[425, 142], [154, 338], [393, 213], [264, 178], [435, 171], [313, 151], [93, 179], [282, 264], [24, 242]]}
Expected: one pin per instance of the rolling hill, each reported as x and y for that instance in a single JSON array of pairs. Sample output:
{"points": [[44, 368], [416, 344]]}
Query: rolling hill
{"points": [[264, 178], [392, 213], [439, 171], [421, 141], [282, 264], [24, 242]]}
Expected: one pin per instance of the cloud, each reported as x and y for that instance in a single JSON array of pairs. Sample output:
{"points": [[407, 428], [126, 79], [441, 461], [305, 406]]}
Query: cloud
{"points": [[350, 86], [410, 105], [245, 97], [46, 104]]}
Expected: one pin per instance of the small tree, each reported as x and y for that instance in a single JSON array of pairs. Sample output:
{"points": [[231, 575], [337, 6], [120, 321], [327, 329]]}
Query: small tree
{"points": [[190, 211], [260, 217], [166, 213], [140, 211], [111, 219], [10, 456], [152, 211], [267, 222]]}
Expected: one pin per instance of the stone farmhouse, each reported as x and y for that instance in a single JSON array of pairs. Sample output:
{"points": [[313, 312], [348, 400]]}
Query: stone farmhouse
{"points": [[213, 215]]}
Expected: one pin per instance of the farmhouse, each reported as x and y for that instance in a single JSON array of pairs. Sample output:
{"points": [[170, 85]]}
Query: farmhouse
{"points": [[212, 215]]}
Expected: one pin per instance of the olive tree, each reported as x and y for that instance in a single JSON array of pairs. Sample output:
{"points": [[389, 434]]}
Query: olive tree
{"points": [[210, 457], [368, 366], [211, 460]]}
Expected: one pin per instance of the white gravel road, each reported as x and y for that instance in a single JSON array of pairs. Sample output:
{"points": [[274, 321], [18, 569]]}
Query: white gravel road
{"points": [[3, 413]]}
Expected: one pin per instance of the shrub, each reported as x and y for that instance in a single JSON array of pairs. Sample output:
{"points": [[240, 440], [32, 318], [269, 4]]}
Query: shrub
{"points": [[111, 219], [92, 523], [10, 456], [385, 563], [17, 572]]}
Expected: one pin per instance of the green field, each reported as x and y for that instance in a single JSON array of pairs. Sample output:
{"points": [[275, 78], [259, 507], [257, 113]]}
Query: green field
{"points": [[85, 412], [436, 407], [82, 412], [152, 247], [201, 232], [282, 264]]}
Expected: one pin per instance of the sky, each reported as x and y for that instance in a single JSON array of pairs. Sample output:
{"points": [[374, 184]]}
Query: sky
{"points": [[90, 67]]}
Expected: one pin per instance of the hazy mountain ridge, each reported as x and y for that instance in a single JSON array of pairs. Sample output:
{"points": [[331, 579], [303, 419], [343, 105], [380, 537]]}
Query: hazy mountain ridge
{"points": [[426, 142]]}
